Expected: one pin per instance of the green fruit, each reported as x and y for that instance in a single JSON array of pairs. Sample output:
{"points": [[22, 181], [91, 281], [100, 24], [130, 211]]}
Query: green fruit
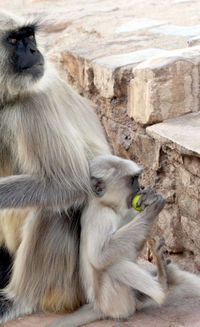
{"points": [[135, 200]]}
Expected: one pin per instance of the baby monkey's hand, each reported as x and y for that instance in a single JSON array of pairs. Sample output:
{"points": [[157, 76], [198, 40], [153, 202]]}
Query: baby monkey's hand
{"points": [[150, 198]]}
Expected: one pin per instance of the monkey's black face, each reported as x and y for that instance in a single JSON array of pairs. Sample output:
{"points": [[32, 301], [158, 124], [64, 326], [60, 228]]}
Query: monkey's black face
{"points": [[135, 184], [25, 58]]}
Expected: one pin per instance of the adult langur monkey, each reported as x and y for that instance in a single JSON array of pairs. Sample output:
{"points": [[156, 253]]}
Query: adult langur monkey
{"points": [[48, 135]]}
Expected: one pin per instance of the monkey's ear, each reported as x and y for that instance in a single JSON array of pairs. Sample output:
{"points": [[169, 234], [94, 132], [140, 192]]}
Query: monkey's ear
{"points": [[98, 186]]}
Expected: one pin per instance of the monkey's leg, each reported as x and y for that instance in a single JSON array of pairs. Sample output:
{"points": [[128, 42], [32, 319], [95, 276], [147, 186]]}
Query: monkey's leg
{"points": [[44, 264], [162, 262], [130, 274], [82, 316]]}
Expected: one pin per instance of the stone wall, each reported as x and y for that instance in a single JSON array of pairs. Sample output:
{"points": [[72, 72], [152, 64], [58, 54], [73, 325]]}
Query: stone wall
{"points": [[129, 101]]}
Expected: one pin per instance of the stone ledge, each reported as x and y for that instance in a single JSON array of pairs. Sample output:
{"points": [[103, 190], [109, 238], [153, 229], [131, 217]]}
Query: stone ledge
{"points": [[108, 75], [194, 41], [165, 86], [183, 132]]}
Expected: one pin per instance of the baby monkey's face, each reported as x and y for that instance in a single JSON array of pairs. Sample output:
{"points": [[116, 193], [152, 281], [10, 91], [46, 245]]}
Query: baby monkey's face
{"points": [[115, 181], [121, 189]]}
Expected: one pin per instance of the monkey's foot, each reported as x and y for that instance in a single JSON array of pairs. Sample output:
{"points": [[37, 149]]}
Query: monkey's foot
{"points": [[159, 250]]}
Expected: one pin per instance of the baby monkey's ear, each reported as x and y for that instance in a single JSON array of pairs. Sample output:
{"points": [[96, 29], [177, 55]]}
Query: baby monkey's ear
{"points": [[98, 186]]}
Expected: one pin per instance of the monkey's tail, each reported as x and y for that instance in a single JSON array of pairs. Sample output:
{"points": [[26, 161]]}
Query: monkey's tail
{"points": [[182, 283]]}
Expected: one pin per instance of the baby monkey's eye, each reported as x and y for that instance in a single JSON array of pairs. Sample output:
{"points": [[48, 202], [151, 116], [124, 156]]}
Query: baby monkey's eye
{"points": [[134, 178]]}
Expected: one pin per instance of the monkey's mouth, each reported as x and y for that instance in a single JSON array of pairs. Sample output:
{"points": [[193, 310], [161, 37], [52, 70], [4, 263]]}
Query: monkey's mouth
{"points": [[35, 71], [129, 200], [31, 67]]}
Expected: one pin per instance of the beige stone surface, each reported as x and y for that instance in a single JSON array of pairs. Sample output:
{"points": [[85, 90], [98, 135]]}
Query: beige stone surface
{"points": [[108, 71], [183, 131], [168, 227], [192, 164], [177, 312], [35, 320], [180, 142], [94, 40], [165, 86]]}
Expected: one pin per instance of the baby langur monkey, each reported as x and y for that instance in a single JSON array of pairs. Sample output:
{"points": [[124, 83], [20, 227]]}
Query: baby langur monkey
{"points": [[112, 233]]}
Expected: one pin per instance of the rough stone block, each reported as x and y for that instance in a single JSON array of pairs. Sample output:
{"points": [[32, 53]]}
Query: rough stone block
{"points": [[190, 233], [189, 206], [183, 131], [192, 164], [130, 144], [169, 227], [187, 195], [108, 75], [109, 70], [188, 183], [165, 86]]}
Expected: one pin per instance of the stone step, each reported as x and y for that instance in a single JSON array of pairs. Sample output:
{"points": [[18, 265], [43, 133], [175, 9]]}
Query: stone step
{"points": [[108, 75], [183, 132]]}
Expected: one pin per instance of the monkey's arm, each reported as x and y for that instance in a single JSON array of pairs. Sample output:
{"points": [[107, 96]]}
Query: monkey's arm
{"points": [[108, 248], [27, 190]]}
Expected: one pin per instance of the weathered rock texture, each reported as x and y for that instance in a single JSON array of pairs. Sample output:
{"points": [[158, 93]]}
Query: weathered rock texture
{"points": [[180, 161], [164, 87]]}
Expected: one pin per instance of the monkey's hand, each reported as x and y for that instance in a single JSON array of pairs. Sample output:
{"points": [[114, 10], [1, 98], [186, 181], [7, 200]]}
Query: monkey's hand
{"points": [[134, 234], [151, 199]]}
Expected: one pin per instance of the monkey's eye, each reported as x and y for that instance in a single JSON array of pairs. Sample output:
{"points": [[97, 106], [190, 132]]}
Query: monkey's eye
{"points": [[134, 179], [12, 40], [31, 37]]}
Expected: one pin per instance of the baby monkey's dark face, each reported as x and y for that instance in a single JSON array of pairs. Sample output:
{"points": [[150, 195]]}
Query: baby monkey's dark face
{"points": [[25, 58], [135, 184], [134, 188]]}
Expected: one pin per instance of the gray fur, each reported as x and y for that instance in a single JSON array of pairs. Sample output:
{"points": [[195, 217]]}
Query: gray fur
{"points": [[48, 135], [111, 236], [115, 284]]}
